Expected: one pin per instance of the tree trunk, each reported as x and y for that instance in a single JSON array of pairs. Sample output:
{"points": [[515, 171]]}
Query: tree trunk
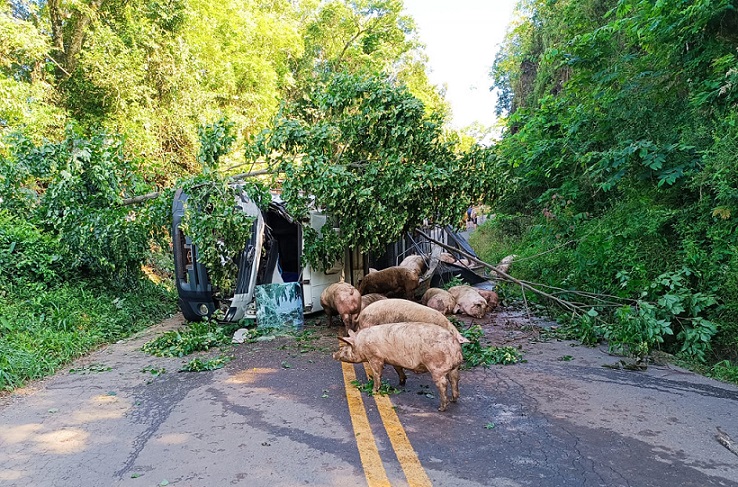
{"points": [[68, 36]]}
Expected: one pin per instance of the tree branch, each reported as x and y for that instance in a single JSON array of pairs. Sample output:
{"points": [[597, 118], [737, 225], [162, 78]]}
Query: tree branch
{"points": [[155, 194], [251, 174], [140, 198], [507, 277]]}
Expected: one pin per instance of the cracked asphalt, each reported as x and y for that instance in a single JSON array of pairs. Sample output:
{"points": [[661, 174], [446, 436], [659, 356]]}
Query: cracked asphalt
{"points": [[277, 415]]}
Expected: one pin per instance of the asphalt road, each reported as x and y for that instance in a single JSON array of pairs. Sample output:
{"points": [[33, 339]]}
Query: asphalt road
{"points": [[283, 413]]}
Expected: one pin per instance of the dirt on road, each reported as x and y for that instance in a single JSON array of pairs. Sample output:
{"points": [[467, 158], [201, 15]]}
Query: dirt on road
{"points": [[278, 415]]}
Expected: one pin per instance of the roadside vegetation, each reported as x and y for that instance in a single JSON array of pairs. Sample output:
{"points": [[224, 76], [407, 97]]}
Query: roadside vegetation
{"points": [[71, 258], [619, 157], [50, 314]]}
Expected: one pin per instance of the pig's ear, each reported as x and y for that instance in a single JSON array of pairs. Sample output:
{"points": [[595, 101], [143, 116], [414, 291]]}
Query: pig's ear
{"points": [[349, 340], [351, 334]]}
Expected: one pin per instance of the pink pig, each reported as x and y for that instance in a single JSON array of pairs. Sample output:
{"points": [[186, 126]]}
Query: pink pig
{"points": [[493, 300], [344, 300], [416, 263], [370, 298], [420, 347], [469, 301], [399, 310], [440, 300]]}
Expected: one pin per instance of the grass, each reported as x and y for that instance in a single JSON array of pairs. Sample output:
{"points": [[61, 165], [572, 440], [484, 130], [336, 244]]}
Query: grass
{"points": [[44, 328], [724, 371]]}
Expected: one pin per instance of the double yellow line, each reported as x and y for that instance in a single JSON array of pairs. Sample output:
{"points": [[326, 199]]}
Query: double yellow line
{"points": [[376, 475]]}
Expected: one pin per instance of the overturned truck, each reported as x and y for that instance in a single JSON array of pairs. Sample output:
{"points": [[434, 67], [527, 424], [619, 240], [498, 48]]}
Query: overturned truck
{"points": [[273, 255]]}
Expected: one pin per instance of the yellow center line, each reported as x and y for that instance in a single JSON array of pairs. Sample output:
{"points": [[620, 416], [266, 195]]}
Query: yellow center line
{"points": [[374, 471], [414, 471]]}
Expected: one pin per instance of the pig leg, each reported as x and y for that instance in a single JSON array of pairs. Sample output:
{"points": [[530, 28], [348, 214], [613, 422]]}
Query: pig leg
{"points": [[442, 384], [376, 365], [348, 322], [329, 314], [453, 377], [400, 374]]}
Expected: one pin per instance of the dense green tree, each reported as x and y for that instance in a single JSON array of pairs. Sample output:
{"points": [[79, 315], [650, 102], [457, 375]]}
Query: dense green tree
{"points": [[363, 37], [154, 70], [27, 99]]}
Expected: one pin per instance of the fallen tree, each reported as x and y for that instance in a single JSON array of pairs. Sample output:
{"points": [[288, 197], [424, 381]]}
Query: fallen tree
{"points": [[633, 327]]}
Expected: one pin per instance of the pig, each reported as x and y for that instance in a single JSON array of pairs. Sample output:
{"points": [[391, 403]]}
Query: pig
{"points": [[505, 263], [450, 259], [443, 303], [416, 263], [344, 300], [439, 300], [371, 298], [491, 297], [469, 301], [447, 258], [393, 282], [398, 310], [420, 347]]}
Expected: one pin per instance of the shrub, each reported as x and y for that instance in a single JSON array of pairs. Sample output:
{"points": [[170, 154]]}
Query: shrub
{"points": [[27, 254]]}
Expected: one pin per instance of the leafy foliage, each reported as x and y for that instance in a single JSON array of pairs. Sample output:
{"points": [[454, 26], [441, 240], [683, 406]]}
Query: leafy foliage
{"points": [[200, 365], [363, 37], [70, 255], [217, 225], [197, 337], [475, 354], [724, 370], [454, 281], [368, 387], [364, 150], [27, 254], [28, 100], [73, 190]]}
